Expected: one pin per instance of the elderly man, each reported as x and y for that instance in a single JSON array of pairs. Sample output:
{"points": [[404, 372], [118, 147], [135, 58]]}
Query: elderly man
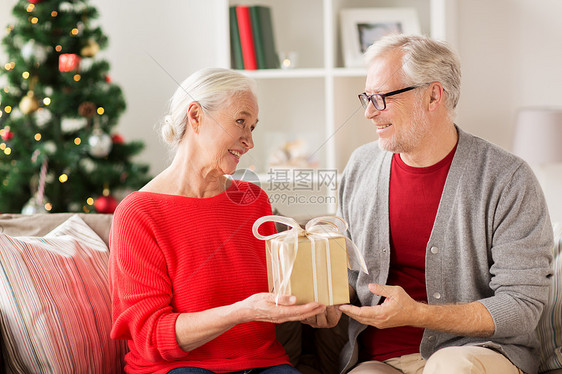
{"points": [[455, 231]]}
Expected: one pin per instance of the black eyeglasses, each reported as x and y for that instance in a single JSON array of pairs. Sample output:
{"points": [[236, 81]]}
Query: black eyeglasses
{"points": [[379, 101]]}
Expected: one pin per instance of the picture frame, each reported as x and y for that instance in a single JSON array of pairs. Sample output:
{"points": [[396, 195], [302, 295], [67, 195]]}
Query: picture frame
{"points": [[360, 27]]}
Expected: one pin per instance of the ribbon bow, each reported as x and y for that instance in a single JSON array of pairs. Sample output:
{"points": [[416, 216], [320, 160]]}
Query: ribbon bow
{"points": [[320, 228]]}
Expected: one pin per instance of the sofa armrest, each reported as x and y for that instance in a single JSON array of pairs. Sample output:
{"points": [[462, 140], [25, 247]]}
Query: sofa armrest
{"points": [[43, 223]]}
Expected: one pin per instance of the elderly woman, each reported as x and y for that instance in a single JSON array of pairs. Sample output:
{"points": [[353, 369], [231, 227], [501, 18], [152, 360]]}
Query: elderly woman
{"points": [[188, 278]]}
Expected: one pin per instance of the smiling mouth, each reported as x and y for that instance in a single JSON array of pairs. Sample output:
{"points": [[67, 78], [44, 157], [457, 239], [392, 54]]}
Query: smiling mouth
{"points": [[235, 153], [381, 127]]}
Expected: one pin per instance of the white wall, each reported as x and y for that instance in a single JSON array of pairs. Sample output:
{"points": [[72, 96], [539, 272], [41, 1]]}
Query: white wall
{"points": [[510, 49], [511, 53]]}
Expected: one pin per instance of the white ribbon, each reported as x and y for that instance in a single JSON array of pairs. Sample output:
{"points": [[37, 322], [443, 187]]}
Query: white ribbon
{"points": [[320, 228]]}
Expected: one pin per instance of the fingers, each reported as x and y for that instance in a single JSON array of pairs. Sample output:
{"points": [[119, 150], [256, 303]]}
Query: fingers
{"points": [[333, 315], [379, 289], [350, 310], [328, 319], [359, 314], [301, 312], [317, 321]]}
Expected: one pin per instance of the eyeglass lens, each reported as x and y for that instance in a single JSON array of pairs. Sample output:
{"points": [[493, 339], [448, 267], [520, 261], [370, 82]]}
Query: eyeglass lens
{"points": [[377, 100]]}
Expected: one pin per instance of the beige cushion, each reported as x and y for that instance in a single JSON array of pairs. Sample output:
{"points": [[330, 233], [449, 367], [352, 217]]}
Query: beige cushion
{"points": [[41, 224], [55, 311]]}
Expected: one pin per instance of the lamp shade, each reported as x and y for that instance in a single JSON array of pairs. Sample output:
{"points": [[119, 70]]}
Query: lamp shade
{"points": [[538, 135]]}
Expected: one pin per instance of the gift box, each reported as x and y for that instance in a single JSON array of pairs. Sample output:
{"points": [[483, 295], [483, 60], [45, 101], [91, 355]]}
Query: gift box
{"points": [[310, 263]]}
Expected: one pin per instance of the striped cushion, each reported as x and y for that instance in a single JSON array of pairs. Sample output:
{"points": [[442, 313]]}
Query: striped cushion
{"points": [[550, 325], [55, 303]]}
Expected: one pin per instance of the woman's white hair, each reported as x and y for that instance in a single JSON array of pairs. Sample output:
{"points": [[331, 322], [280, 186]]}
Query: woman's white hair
{"points": [[424, 60], [211, 88]]}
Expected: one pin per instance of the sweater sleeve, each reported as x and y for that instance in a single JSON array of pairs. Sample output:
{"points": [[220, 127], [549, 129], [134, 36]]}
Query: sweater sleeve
{"points": [[140, 286], [522, 255]]}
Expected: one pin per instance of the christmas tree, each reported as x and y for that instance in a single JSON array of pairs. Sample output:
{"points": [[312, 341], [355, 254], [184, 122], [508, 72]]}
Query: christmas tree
{"points": [[58, 107]]}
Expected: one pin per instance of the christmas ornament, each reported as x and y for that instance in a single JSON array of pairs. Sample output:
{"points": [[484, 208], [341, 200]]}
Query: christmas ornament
{"points": [[32, 49], [117, 139], [6, 134], [100, 143], [91, 49], [42, 117], [69, 62], [86, 64], [72, 124], [87, 109], [35, 1], [50, 147], [108, 79], [105, 204], [29, 103], [87, 165], [65, 7], [33, 207]]}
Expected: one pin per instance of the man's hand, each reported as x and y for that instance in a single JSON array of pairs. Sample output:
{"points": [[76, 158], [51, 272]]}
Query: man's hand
{"points": [[398, 308], [329, 318]]}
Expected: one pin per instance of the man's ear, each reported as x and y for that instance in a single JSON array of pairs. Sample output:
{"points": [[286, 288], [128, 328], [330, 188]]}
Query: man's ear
{"points": [[435, 95], [194, 116]]}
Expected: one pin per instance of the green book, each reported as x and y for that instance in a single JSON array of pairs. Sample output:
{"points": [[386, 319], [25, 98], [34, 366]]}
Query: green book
{"points": [[262, 25], [258, 36], [236, 59]]}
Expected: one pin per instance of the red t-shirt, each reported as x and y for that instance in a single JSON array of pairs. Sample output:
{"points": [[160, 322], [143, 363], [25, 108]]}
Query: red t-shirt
{"points": [[414, 197], [173, 254]]}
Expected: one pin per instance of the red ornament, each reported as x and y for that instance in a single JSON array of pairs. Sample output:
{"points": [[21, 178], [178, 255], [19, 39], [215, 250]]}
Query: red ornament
{"points": [[7, 134], [69, 62], [108, 79], [117, 139], [35, 1], [105, 204]]}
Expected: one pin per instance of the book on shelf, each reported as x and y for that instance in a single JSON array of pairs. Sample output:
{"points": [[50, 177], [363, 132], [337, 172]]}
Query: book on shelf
{"points": [[246, 37], [252, 41], [236, 59], [264, 39]]}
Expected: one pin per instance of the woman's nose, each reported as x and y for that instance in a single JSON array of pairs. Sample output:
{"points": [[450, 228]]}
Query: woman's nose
{"points": [[248, 140]]}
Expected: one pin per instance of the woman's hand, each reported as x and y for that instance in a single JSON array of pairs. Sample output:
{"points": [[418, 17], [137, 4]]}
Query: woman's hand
{"points": [[262, 307], [195, 329]]}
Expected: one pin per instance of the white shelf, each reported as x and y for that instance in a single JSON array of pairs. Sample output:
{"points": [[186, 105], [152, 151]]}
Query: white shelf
{"points": [[285, 73], [317, 101], [350, 72]]}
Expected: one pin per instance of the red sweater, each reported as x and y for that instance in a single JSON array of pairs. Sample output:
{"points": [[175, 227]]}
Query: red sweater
{"points": [[414, 197], [173, 254]]}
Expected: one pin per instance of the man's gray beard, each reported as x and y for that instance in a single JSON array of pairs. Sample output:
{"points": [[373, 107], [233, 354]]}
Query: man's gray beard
{"points": [[407, 141]]}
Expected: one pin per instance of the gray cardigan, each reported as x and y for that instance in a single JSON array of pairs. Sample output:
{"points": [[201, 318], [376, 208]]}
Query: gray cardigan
{"points": [[491, 242]]}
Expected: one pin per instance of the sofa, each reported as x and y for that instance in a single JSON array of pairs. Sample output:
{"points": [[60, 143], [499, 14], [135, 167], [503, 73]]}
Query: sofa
{"points": [[55, 303]]}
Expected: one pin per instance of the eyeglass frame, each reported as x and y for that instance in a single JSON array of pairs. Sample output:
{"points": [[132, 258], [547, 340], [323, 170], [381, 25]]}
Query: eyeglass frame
{"points": [[383, 96]]}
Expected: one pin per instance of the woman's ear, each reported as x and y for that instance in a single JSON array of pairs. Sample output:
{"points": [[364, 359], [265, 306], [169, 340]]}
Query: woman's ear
{"points": [[194, 116], [436, 95]]}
